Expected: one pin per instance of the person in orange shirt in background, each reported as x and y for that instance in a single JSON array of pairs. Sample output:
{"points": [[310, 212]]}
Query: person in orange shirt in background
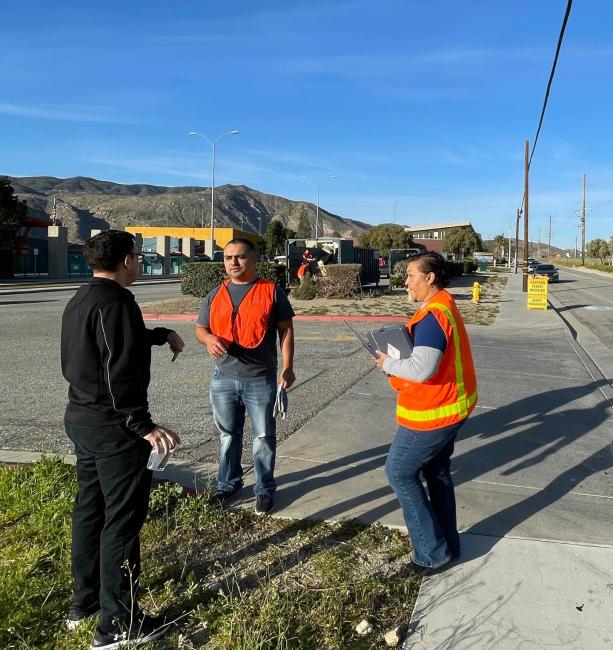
{"points": [[305, 266], [436, 392]]}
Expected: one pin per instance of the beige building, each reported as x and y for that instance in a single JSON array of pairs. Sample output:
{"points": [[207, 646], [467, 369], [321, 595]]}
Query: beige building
{"points": [[436, 230]]}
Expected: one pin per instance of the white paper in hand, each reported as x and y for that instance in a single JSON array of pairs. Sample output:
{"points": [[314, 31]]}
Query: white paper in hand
{"points": [[280, 407]]}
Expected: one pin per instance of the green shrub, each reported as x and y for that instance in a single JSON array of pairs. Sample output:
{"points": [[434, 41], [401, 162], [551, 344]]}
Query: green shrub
{"points": [[307, 290], [340, 281], [399, 273], [470, 266], [454, 269], [198, 278]]}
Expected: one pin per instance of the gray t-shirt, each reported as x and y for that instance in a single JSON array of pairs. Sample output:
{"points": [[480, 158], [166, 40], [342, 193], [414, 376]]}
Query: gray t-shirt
{"points": [[249, 363]]}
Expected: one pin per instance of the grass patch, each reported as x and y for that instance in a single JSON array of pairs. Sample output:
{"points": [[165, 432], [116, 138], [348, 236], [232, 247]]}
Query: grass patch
{"points": [[230, 579]]}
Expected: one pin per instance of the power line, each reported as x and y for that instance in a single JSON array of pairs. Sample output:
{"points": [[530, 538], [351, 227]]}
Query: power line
{"points": [[551, 75]]}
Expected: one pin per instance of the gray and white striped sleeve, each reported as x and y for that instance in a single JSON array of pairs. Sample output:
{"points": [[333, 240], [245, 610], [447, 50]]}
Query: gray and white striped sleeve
{"points": [[419, 367]]}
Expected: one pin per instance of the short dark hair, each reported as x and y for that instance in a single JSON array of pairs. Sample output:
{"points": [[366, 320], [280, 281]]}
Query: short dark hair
{"points": [[246, 242], [433, 263], [106, 250]]}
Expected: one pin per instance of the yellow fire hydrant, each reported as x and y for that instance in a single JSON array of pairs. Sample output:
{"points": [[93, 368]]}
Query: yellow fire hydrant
{"points": [[476, 291]]}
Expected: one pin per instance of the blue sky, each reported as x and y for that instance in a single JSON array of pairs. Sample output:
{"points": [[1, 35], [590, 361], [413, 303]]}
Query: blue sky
{"points": [[423, 104]]}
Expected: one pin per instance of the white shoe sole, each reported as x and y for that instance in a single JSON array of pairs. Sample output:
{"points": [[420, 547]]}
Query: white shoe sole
{"points": [[72, 624]]}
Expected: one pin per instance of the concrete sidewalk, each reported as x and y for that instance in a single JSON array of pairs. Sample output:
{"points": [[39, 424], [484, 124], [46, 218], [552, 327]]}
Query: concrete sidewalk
{"points": [[535, 499]]}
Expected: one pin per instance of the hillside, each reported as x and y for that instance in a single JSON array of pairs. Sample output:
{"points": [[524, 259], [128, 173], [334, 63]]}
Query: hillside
{"points": [[539, 251], [86, 203]]}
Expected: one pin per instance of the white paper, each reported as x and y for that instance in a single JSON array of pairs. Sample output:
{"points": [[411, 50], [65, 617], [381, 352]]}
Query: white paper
{"points": [[392, 352]]}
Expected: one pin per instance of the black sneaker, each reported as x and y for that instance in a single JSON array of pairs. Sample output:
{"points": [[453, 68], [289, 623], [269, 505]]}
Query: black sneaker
{"points": [[142, 631], [419, 570], [221, 496], [78, 615], [264, 503]]}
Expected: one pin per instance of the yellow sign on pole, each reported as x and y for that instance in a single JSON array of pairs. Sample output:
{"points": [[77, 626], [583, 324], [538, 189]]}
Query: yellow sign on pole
{"points": [[537, 292]]}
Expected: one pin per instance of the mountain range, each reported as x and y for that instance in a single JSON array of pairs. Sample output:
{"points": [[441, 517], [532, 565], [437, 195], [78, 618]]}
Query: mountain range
{"points": [[85, 203]]}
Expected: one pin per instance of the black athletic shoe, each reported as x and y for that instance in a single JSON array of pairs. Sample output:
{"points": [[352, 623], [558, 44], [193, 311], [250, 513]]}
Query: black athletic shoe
{"points": [[264, 504], [78, 615], [221, 496], [419, 570], [142, 631]]}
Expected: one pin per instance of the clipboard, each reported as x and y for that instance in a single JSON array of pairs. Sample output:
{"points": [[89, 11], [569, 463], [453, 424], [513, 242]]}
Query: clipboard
{"points": [[370, 347], [394, 340]]}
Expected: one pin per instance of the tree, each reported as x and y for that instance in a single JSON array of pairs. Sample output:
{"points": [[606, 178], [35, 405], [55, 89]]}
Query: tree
{"points": [[461, 242], [598, 248], [384, 237], [499, 245], [13, 212], [303, 229], [275, 238]]}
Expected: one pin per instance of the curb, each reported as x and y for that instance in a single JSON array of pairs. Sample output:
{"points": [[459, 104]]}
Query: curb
{"points": [[193, 477], [300, 317], [170, 316], [595, 356], [9, 289]]}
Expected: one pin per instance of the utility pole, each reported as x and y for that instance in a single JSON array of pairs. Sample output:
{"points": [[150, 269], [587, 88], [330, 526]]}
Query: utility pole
{"points": [[509, 262], [549, 240], [538, 245], [526, 186], [517, 239], [583, 226], [575, 248]]}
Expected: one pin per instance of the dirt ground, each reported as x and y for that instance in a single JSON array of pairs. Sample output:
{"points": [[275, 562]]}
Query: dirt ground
{"points": [[381, 302]]}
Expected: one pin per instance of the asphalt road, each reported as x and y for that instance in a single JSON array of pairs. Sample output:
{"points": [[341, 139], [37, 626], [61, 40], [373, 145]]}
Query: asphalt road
{"points": [[589, 297], [33, 392]]}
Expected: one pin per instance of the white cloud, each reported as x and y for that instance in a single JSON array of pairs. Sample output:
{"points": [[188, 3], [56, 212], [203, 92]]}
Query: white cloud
{"points": [[67, 113]]}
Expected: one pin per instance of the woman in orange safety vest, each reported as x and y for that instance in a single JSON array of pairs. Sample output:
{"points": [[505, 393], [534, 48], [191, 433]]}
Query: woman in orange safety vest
{"points": [[436, 391]]}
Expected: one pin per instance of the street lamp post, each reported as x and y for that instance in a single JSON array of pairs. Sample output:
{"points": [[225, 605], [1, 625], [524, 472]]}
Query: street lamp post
{"points": [[317, 210], [395, 206], [213, 144]]}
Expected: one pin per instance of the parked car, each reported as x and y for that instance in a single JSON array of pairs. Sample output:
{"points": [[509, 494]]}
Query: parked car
{"points": [[549, 270], [532, 264]]}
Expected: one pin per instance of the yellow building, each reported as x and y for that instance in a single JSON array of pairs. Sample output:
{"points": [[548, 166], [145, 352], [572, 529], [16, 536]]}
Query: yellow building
{"points": [[222, 235]]}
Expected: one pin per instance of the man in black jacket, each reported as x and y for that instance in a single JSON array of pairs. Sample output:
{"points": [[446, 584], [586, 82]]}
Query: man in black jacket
{"points": [[106, 358]]}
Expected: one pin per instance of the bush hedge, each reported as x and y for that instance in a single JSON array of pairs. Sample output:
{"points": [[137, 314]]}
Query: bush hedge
{"points": [[340, 281], [454, 269], [307, 290], [198, 278], [399, 274]]}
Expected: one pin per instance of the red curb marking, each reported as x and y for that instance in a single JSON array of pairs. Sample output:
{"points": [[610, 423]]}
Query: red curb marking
{"points": [[170, 316], [354, 319], [303, 317]]}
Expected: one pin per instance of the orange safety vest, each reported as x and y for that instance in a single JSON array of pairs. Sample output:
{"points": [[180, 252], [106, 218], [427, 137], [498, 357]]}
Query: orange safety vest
{"points": [[449, 396], [246, 324]]}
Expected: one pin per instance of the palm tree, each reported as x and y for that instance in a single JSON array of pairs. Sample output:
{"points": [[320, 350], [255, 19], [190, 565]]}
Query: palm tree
{"points": [[499, 246]]}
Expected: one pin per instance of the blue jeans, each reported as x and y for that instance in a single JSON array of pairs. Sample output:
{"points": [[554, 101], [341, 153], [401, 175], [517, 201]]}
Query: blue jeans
{"points": [[431, 522], [230, 399]]}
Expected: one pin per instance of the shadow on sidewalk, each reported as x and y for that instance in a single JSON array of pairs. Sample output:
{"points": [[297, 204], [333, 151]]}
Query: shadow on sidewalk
{"points": [[523, 434]]}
